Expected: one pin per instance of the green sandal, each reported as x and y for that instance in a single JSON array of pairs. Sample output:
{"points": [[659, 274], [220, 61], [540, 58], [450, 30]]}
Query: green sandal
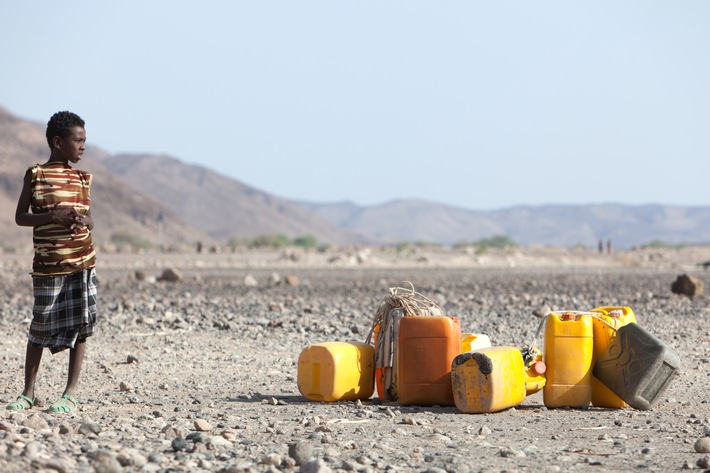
{"points": [[23, 403], [65, 404]]}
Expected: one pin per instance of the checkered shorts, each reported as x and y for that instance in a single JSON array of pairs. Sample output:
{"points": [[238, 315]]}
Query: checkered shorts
{"points": [[64, 310]]}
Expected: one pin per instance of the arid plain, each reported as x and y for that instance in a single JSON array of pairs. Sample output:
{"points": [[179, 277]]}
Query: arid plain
{"points": [[200, 374]]}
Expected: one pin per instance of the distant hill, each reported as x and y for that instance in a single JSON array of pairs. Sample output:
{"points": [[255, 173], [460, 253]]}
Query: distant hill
{"points": [[198, 204], [556, 225], [221, 206]]}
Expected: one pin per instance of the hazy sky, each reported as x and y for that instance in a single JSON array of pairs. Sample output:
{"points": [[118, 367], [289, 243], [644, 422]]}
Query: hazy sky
{"points": [[481, 105]]}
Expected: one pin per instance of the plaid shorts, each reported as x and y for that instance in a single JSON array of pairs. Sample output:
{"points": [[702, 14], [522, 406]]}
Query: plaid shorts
{"points": [[64, 310]]}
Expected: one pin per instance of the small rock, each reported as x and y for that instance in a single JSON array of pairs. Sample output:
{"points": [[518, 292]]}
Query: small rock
{"points": [[89, 427], [105, 462], [315, 466], [202, 425], [170, 275], [131, 359], [301, 452], [687, 285], [250, 281], [292, 280], [124, 386], [178, 444], [703, 462], [702, 445], [36, 422]]}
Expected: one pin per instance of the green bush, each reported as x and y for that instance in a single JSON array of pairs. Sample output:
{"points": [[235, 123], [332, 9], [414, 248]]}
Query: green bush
{"points": [[305, 241], [124, 238], [660, 244]]}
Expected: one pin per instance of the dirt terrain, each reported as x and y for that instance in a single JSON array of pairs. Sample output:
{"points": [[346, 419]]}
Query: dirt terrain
{"points": [[200, 374]]}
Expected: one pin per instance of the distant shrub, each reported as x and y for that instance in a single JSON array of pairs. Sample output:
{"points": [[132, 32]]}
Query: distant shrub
{"points": [[660, 244], [269, 241], [128, 239], [497, 241], [305, 241]]}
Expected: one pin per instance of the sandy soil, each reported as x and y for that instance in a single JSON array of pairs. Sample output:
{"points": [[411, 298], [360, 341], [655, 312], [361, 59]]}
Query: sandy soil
{"points": [[200, 374]]}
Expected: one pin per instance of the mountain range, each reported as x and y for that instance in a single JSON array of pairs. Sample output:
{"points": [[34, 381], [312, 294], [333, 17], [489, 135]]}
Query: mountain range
{"points": [[160, 199]]}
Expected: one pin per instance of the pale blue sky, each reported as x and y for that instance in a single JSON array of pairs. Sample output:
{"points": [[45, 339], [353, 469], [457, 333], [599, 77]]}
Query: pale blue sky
{"points": [[481, 105]]}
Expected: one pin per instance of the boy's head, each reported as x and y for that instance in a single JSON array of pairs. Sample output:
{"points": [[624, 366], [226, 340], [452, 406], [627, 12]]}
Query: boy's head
{"points": [[61, 125]]}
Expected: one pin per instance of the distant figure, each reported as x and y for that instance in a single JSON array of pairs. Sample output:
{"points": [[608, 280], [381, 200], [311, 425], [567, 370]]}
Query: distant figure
{"points": [[601, 247], [55, 201], [608, 247], [199, 247]]}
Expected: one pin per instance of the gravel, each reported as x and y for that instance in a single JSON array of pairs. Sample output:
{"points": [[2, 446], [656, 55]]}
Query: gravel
{"points": [[200, 374]]}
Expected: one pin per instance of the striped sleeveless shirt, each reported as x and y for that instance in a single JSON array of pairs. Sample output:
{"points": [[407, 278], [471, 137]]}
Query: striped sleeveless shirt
{"points": [[57, 250]]}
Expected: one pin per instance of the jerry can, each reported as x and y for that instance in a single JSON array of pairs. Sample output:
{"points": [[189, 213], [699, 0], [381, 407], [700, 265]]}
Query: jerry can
{"points": [[474, 341], [336, 371], [606, 321], [494, 378], [637, 367], [569, 349], [426, 346]]}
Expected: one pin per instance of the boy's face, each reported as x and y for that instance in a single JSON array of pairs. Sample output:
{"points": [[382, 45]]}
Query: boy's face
{"points": [[71, 148]]}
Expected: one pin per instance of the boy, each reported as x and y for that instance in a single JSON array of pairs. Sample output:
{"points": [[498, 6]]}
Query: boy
{"points": [[55, 201]]}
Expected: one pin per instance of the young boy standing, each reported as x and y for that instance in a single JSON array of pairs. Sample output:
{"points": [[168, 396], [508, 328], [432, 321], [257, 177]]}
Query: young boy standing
{"points": [[55, 201]]}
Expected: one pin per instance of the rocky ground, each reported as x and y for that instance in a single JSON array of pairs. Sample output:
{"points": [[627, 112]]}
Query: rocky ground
{"points": [[200, 374]]}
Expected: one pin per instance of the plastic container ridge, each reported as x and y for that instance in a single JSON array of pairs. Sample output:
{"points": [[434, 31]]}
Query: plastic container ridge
{"points": [[494, 378], [426, 348], [336, 371], [569, 349], [637, 367], [611, 318]]}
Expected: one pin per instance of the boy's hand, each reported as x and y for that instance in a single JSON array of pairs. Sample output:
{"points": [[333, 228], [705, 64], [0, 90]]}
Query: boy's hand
{"points": [[68, 218]]}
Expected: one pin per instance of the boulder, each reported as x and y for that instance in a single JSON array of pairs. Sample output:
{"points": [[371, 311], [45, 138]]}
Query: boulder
{"points": [[687, 285]]}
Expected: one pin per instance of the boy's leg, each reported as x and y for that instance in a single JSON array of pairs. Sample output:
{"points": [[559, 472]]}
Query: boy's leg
{"points": [[67, 403], [76, 359], [33, 358]]}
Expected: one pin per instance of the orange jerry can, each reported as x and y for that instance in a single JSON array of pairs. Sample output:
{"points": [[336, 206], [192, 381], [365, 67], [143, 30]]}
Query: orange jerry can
{"points": [[494, 378], [607, 320], [426, 346], [336, 371], [568, 356]]}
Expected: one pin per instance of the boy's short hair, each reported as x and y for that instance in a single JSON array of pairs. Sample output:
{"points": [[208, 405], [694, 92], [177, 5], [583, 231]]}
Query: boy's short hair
{"points": [[61, 124]]}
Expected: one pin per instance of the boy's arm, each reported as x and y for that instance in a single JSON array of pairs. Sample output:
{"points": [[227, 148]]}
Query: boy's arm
{"points": [[25, 218]]}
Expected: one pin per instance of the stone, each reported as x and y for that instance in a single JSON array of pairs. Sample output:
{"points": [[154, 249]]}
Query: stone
{"points": [[687, 285], [301, 452], [36, 422], [202, 425], [702, 445], [315, 466], [105, 462], [89, 427], [292, 280], [170, 275]]}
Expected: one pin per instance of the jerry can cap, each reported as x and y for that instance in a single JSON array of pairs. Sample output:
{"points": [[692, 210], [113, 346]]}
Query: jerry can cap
{"points": [[539, 367], [567, 316]]}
